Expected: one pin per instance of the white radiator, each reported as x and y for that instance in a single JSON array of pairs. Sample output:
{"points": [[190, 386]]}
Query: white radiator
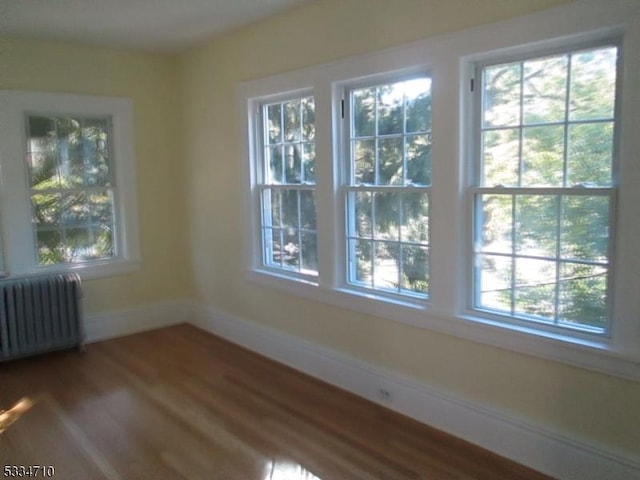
{"points": [[40, 314]]}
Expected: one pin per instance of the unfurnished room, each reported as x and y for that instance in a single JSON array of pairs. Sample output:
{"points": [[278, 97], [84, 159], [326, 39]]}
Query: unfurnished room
{"points": [[320, 239]]}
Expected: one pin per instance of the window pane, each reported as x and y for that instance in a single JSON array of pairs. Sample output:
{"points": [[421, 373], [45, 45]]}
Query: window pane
{"points": [[309, 162], [273, 247], [500, 157], [545, 90], [292, 127], [308, 119], [593, 84], [50, 247], [589, 156], [307, 210], [289, 205], [415, 269], [501, 95], [390, 109], [537, 225], [364, 105], [309, 256], [386, 266], [273, 208], [418, 105], [274, 162], [75, 210], [274, 123], [415, 218], [363, 214], [290, 248], [584, 228], [390, 168], [495, 274], [583, 295], [47, 209], [102, 222], [360, 253], [543, 156], [496, 222], [43, 170], [95, 152], [293, 163], [535, 289], [364, 161], [387, 216], [418, 152]]}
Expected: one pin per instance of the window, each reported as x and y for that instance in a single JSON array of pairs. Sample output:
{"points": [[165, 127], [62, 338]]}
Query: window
{"points": [[70, 187], [287, 188], [477, 185], [546, 189], [388, 187], [68, 184]]}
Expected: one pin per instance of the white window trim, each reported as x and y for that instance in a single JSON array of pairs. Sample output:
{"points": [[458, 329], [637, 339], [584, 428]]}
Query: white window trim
{"points": [[15, 211], [450, 59]]}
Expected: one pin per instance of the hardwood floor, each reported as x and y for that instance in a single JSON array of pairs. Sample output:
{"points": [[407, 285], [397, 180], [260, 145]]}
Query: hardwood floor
{"points": [[180, 403]]}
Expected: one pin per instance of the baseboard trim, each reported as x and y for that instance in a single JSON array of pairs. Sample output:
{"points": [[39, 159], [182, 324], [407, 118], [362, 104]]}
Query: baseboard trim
{"points": [[544, 450], [119, 323]]}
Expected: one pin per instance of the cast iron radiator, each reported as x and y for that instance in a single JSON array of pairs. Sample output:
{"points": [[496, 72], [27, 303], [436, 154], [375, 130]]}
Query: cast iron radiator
{"points": [[40, 314]]}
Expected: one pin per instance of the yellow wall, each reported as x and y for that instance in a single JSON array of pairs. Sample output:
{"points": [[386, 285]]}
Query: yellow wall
{"points": [[152, 81], [189, 177], [584, 404]]}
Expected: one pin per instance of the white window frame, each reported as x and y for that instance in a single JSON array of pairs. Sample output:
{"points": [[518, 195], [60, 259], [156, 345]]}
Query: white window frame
{"points": [[608, 192], [15, 209], [348, 186], [450, 61], [262, 185]]}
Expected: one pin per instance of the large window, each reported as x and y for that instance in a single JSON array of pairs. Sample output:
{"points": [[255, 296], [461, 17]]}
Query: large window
{"points": [[476, 184], [288, 223], [546, 188], [388, 186], [68, 184]]}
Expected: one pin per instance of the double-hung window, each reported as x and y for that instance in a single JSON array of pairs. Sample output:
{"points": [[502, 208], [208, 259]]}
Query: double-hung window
{"points": [[488, 207], [287, 186], [71, 188], [68, 184], [388, 187], [546, 188]]}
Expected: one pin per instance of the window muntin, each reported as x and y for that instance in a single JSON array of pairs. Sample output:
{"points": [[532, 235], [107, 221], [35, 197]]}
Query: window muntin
{"points": [[545, 194], [388, 189], [71, 188], [287, 190]]}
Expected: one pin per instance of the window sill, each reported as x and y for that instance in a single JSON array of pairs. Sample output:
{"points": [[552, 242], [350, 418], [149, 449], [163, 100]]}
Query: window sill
{"points": [[86, 271], [597, 354]]}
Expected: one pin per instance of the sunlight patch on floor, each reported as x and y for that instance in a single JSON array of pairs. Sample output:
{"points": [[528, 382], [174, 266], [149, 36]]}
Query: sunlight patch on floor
{"points": [[287, 471], [7, 417]]}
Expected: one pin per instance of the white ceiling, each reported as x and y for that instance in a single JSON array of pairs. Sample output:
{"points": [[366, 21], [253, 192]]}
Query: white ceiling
{"points": [[159, 25]]}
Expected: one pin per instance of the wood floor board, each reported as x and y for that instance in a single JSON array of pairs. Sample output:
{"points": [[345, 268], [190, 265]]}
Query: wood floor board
{"points": [[181, 403]]}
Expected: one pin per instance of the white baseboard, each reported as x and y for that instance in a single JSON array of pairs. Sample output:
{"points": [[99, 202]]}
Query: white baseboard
{"points": [[544, 450], [125, 322]]}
